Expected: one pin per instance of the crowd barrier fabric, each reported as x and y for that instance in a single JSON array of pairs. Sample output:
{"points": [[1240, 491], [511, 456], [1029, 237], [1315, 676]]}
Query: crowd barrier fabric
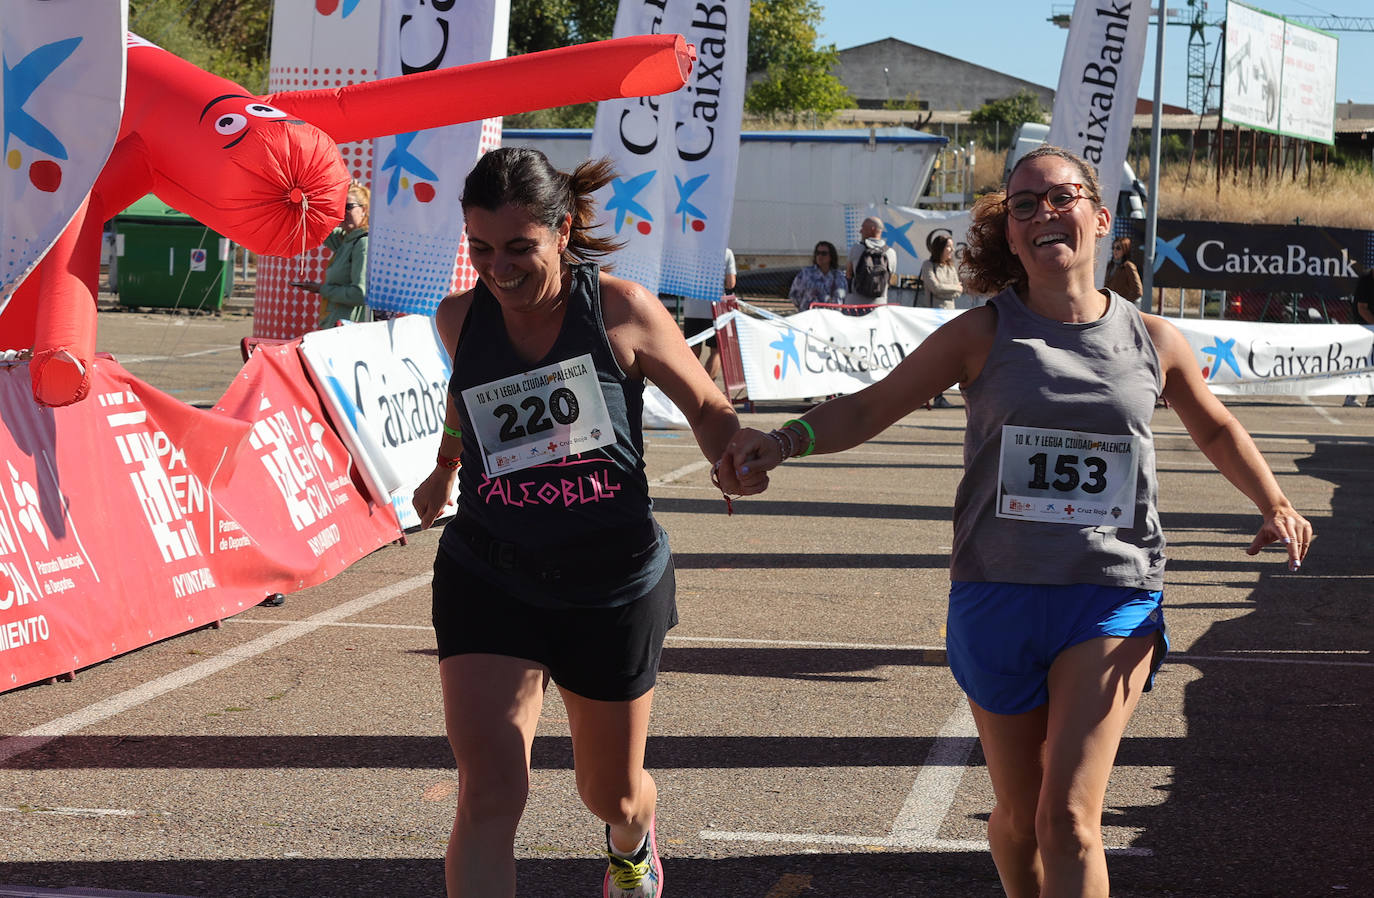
{"points": [[133, 517], [819, 352]]}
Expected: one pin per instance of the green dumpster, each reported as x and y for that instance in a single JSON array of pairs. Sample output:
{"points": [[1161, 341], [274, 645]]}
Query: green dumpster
{"points": [[167, 259]]}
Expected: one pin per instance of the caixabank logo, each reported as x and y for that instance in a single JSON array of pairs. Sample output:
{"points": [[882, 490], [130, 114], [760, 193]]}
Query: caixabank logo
{"points": [[1231, 256], [625, 203], [329, 7], [25, 126]]}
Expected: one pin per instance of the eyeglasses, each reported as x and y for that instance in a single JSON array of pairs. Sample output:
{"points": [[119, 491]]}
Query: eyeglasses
{"points": [[1023, 204], [348, 206]]}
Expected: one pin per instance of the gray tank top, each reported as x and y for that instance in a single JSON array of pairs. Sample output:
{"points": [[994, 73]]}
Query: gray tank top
{"points": [[1059, 481]]}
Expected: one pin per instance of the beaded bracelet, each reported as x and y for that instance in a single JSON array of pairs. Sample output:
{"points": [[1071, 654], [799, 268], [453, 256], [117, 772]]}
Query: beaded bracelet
{"points": [[444, 461], [811, 435], [782, 450], [453, 432]]}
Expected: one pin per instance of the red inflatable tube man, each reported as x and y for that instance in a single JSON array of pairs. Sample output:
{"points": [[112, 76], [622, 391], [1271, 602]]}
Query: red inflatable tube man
{"points": [[266, 171]]}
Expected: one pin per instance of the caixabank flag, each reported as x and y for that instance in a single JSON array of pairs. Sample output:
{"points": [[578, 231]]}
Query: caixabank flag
{"points": [[63, 87], [677, 155]]}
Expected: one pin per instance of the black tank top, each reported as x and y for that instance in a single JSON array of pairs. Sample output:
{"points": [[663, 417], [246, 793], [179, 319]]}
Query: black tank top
{"points": [[593, 498]]}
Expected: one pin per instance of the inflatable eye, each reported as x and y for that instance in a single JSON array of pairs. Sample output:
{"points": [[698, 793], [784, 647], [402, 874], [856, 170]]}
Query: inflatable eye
{"points": [[230, 123], [262, 110]]}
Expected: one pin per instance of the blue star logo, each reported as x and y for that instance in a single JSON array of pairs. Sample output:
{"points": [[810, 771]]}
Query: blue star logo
{"points": [[401, 161], [684, 193], [1168, 249], [787, 345], [21, 81], [623, 201], [1223, 352], [896, 236]]}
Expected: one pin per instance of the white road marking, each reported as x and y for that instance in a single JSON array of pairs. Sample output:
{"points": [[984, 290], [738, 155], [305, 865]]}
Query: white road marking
{"points": [[75, 812], [684, 471], [1174, 657], [42, 734], [138, 359], [1332, 419], [918, 823], [937, 782]]}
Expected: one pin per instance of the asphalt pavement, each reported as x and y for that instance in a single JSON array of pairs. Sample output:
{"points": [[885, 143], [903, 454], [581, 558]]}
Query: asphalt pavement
{"points": [[808, 739]]}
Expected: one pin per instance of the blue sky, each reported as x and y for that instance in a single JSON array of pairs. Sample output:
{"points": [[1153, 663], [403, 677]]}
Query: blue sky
{"points": [[1015, 36]]}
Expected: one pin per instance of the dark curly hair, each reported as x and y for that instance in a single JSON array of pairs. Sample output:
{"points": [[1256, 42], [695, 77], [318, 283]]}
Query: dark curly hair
{"points": [[519, 176], [989, 265]]}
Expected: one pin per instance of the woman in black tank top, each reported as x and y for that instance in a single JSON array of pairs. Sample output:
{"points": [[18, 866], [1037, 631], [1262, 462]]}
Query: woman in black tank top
{"points": [[1034, 246], [554, 567]]}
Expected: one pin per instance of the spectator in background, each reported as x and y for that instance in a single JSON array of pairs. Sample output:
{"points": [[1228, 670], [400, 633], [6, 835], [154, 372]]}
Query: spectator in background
{"points": [[1123, 277], [344, 288], [941, 283], [871, 264], [940, 276], [821, 281], [1364, 314]]}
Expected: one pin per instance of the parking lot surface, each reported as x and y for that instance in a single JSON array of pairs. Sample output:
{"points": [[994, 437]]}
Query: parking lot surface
{"points": [[808, 739]]}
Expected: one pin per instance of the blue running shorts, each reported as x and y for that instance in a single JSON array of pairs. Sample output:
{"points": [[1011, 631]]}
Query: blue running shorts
{"points": [[1001, 638]]}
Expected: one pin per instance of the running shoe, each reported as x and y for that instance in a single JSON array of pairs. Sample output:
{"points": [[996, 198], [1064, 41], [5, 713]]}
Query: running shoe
{"points": [[638, 877]]}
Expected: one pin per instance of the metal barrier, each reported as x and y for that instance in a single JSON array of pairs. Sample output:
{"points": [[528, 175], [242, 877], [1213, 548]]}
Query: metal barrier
{"points": [[731, 365]]}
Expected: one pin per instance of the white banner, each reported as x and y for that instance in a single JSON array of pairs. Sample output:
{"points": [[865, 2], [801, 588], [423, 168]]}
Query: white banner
{"points": [[676, 156], [1241, 358], [820, 352], [385, 385], [64, 93], [417, 252], [1098, 84]]}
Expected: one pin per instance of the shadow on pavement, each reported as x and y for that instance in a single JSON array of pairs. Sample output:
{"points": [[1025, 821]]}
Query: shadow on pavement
{"points": [[1274, 785]]}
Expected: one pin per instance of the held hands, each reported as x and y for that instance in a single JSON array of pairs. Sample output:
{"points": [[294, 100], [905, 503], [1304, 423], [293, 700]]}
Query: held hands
{"points": [[743, 467], [307, 286], [431, 497], [1284, 525]]}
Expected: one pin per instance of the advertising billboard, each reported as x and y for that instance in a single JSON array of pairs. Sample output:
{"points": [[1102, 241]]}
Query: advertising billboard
{"points": [[1279, 76]]}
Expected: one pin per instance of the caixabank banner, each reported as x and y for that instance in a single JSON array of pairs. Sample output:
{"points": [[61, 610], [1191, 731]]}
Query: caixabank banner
{"points": [[1220, 255], [132, 517]]}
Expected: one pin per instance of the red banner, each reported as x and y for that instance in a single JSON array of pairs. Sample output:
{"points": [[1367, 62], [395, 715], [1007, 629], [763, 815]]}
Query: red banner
{"points": [[131, 516]]}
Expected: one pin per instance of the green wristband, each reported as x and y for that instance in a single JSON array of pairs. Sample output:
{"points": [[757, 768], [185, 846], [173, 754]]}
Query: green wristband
{"points": [[452, 432], [811, 435]]}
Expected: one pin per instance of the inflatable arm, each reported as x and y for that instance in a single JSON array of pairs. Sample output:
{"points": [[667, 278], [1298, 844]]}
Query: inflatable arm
{"points": [[266, 171], [639, 66]]}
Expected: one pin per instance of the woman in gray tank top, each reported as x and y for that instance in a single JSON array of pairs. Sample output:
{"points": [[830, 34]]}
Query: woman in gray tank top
{"points": [[1058, 554]]}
